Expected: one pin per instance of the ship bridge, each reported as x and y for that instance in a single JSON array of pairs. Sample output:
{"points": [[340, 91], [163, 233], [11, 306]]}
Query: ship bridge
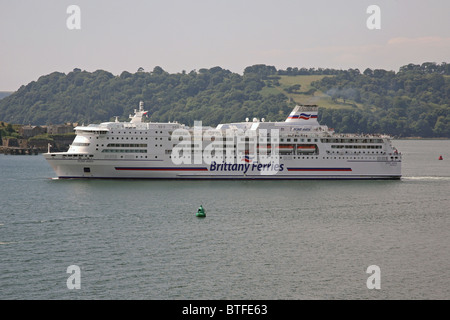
{"points": [[92, 128]]}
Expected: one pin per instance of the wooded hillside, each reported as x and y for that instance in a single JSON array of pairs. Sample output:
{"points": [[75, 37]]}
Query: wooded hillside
{"points": [[415, 101]]}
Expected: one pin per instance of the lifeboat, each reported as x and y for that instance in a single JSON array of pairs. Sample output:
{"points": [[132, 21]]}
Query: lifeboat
{"points": [[306, 148], [285, 148]]}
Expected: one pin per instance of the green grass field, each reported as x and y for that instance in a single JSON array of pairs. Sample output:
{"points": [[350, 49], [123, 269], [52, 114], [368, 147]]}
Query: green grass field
{"points": [[300, 97]]}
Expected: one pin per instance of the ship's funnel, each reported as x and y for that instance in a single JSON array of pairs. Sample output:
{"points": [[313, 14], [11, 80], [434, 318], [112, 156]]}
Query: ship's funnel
{"points": [[304, 114]]}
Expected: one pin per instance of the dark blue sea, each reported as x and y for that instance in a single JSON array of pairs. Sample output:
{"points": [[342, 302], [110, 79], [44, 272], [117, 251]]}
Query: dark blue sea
{"points": [[260, 239]]}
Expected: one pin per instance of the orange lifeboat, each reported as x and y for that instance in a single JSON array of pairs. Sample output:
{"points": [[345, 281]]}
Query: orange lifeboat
{"points": [[306, 148], [285, 148]]}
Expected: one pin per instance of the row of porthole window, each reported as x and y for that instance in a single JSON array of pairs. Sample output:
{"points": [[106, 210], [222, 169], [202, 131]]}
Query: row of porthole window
{"points": [[137, 131], [124, 151]]}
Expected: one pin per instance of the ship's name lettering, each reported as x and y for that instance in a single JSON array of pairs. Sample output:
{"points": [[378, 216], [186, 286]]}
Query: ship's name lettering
{"points": [[245, 167]]}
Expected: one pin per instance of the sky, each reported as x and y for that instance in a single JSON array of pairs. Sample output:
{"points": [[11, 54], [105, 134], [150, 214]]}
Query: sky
{"points": [[177, 35]]}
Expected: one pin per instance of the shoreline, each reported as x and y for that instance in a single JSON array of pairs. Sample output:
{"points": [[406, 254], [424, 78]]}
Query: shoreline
{"points": [[419, 138]]}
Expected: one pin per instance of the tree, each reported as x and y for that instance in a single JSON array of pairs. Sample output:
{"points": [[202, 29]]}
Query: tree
{"points": [[368, 72], [293, 88], [9, 129], [442, 127], [158, 70], [261, 70], [125, 75], [422, 128]]}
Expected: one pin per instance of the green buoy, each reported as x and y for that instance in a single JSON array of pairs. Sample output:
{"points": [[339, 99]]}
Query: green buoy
{"points": [[201, 213]]}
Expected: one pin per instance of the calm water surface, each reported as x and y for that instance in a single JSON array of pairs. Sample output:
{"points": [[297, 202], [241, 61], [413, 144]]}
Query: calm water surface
{"points": [[260, 239]]}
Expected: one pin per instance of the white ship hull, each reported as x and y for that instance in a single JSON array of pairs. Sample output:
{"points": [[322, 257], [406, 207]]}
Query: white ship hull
{"points": [[144, 169], [302, 149]]}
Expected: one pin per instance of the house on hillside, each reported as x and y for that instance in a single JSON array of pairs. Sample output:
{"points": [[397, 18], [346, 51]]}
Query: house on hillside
{"points": [[60, 128], [31, 131]]}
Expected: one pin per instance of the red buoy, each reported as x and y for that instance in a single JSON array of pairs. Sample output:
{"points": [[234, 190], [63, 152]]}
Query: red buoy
{"points": [[440, 158]]}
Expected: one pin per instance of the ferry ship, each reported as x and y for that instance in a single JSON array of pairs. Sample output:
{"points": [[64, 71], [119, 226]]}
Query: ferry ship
{"points": [[298, 148]]}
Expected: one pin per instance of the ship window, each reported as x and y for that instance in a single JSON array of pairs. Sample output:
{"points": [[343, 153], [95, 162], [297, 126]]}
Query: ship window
{"points": [[86, 169], [80, 144]]}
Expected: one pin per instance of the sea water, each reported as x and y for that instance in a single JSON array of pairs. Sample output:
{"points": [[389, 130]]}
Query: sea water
{"points": [[134, 239]]}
